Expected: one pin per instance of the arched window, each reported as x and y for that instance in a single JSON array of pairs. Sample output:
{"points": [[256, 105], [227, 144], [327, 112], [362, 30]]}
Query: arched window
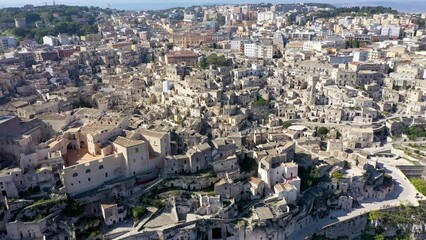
{"points": [[87, 170], [101, 167]]}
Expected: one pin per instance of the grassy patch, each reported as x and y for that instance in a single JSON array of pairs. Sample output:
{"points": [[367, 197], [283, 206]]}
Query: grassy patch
{"points": [[419, 184], [286, 124], [260, 102], [138, 212], [337, 175], [154, 202]]}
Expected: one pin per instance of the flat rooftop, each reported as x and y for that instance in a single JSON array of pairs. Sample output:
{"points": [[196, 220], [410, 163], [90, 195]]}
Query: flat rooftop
{"points": [[263, 213], [5, 118], [74, 157]]}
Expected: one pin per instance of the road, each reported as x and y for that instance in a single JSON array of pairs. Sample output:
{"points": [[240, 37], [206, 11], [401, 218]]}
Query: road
{"points": [[134, 230], [307, 150], [404, 193], [373, 150], [346, 123], [134, 198]]}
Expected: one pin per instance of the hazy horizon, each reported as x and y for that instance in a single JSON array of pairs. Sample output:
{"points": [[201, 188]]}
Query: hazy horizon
{"points": [[410, 5]]}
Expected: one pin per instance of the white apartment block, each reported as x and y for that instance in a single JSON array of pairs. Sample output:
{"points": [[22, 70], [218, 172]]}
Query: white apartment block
{"points": [[361, 56], [238, 44], [189, 17], [391, 31], [50, 40], [253, 50], [265, 16], [7, 42], [321, 45], [250, 50]]}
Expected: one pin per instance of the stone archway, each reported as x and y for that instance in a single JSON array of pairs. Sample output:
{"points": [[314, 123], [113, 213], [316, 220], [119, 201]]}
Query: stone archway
{"points": [[70, 146]]}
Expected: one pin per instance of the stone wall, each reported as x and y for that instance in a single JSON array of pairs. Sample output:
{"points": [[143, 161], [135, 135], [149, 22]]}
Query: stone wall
{"points": [[352, 228], [191, 183]]}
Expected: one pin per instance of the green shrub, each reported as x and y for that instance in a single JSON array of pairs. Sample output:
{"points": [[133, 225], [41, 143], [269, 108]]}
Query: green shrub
{"points": [[73, 208], [419, 184], [286, 124], [337, 175], [138, 212]]}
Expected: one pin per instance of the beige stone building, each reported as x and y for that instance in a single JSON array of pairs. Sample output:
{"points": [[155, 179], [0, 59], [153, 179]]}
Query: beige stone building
{"points": [[184, 57]]}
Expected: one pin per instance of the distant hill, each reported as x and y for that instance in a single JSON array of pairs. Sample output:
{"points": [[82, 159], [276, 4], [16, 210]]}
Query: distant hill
{"points": [[51, 20]]}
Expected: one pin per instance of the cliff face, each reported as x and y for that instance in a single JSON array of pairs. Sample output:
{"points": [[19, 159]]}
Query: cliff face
{"points": [[403, 221]]}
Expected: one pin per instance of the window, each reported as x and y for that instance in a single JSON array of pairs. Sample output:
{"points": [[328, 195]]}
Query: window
{"points": [[101, 167], [88, 179], [75, 174], [87, 170], [137, 149], [106, 174]]}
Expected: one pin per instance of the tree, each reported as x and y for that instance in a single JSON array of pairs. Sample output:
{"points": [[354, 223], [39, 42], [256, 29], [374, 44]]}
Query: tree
{"points": [[309, 176], [322, 132], [353, 43], [138, 212], [46, 16], [357, 11], [73, 208], [260, 102], [286, 124], [203, 64], [375, 215], [337, 175], [414, 132], [64, 24], [278, 54], [213, 60], [217, 61], [379, 237], [421, 23], [169, 46], [347, 165]]}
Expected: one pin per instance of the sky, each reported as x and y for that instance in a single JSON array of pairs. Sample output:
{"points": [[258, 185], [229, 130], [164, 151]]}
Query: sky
{"points": [[408, 5]]}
